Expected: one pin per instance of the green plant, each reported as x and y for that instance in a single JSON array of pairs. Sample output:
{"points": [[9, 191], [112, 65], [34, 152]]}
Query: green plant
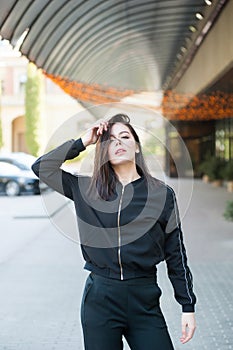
{"points": [[203, 167], [213, 167], [228, 171], [228, 214], [33, 108]]}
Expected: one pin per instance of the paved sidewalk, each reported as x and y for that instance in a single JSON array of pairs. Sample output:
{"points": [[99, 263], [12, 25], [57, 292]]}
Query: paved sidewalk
{"points": [[42, 276], [209, 243]]}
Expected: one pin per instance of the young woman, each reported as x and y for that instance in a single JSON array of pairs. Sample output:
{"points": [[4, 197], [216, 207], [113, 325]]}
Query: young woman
{"points": [[128, 223]]}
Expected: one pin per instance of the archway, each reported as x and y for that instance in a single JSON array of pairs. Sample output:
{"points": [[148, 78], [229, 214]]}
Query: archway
{"points": [[18, 135]]}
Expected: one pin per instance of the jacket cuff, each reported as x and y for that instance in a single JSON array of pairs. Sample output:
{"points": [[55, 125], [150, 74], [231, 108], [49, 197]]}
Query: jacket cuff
{"points": [[79, 145], [188, 308]]}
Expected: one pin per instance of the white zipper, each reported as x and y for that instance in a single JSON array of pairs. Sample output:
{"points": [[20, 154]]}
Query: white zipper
{"points": [[119, 234]]}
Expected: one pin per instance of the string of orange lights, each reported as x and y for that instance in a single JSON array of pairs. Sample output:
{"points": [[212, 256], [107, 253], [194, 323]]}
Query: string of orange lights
{"points": [[175, 106], [217, 105], [94, 93]]}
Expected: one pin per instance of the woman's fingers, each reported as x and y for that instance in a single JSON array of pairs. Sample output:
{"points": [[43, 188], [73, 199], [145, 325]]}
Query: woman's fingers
{"points": [[93, 134], [103, 126], [188, 327], [187, 334]]}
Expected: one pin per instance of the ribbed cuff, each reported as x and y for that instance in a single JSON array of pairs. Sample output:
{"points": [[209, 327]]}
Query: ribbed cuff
{"points": [[79, 145], [188, 308]]}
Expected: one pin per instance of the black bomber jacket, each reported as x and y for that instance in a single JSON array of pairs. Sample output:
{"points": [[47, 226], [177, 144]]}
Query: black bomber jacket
{"points": [[128, 235]]}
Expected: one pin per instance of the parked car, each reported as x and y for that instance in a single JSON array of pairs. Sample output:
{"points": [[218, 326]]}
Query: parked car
{"points": [[16, 176]]}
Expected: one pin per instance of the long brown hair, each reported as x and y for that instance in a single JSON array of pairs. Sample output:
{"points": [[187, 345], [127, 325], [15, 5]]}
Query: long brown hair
{"points": [[104, 178]]}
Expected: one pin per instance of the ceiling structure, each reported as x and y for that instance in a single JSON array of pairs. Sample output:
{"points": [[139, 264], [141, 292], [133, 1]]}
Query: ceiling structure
{"points": [[104, 50]]}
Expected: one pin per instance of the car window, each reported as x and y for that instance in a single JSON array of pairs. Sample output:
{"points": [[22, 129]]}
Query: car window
{"points": [[21, 166], [22, 162], [25, 160], [8, 169]]}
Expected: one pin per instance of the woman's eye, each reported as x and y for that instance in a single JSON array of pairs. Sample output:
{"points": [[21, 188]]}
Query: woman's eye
{"points": [[125, 137]]}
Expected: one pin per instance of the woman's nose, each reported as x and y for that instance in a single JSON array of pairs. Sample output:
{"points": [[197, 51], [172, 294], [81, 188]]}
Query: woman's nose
{"points": [[118, 141]]}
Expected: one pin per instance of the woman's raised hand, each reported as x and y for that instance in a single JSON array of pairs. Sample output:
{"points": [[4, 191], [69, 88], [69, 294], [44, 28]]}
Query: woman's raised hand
{"points": [[92, 134]]}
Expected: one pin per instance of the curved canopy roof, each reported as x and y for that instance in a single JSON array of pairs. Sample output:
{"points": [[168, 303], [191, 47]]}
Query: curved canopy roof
{"points": [[125, 44]]}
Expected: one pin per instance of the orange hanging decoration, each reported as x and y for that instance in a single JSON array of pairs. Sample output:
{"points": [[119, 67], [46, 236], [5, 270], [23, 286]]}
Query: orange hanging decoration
{"points": [[175, 106], [94, 93], [214, 106]]}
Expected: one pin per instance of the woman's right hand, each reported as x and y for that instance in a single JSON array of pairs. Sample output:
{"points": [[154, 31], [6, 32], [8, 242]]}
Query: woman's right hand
{"points": [[92, 134]]}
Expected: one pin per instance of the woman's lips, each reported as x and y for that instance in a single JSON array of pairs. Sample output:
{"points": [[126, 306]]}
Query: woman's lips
{"points": [[120, 151]]}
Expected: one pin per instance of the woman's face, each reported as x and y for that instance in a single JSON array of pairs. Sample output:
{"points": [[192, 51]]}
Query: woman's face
{"points": [[122, 146]]}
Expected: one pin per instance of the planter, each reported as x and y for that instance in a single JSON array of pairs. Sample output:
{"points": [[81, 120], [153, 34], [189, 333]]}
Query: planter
{"points": [[217, 183], [213, 167], [206, 179], [230, 186], [228, 175]]}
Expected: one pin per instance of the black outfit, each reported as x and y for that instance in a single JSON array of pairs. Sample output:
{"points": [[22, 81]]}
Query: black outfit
{"points": [[122, 241], [112, 307]]}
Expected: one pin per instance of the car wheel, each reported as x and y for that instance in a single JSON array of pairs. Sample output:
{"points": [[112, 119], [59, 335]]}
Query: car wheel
{"points": [[12, 188]]}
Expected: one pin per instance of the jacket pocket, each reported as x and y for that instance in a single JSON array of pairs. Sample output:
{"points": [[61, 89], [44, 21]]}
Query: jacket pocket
{"points": [[87, 288]]}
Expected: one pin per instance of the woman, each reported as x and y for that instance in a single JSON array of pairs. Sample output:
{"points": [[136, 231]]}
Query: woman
{"points": [[128, 223]]}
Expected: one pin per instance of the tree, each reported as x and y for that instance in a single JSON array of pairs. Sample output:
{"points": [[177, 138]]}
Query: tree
{"points": [[33, 90]]}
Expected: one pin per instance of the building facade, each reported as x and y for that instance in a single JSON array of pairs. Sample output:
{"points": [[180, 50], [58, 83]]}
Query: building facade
{"points": [[57, 107]]}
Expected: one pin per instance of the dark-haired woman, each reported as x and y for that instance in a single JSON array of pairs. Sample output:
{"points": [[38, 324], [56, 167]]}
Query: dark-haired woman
{"points": [[128, 223]]}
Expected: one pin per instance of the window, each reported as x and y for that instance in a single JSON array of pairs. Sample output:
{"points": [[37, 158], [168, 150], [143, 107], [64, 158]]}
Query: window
{"points": [[22, 82], [224, 139]]}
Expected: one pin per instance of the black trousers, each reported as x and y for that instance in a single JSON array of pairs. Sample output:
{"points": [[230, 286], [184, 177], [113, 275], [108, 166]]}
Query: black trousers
{"points": [[112, 308]]}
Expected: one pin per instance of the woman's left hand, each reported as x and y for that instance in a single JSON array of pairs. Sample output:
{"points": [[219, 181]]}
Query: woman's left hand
{"points": [[188, 326]]}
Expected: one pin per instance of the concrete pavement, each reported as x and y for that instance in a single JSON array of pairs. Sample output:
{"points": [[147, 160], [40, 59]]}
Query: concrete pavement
{"points": [[42, 276]]}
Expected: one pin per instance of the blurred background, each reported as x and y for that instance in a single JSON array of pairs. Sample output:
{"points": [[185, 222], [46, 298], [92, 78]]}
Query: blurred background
{"points": [[173, 59]]}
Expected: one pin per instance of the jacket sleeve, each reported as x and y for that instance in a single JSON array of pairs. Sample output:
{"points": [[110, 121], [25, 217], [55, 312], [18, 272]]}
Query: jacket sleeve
{"points": [[48, 166], [176, 258]]}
